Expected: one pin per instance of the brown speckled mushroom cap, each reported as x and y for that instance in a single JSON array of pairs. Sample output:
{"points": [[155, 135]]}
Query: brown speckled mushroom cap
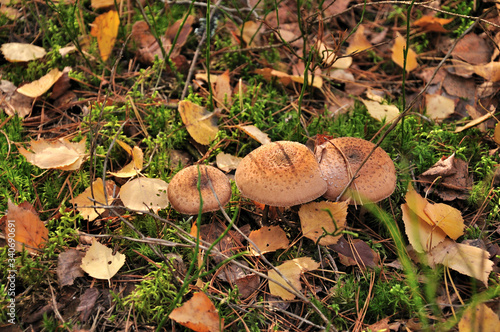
{"points": [[280, 174], [183, 193], [376, 180]]}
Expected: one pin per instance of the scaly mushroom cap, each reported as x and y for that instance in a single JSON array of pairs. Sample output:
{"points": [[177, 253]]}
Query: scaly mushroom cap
{"points": [[340, 157], [280, 174], [183, 193]]}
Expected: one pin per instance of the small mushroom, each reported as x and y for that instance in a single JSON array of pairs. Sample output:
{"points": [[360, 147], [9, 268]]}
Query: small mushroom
{"points": [[339, 159], [183, 192], [280, 174]]}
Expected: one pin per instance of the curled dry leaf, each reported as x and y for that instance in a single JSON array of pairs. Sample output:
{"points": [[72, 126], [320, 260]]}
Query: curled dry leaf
{"points": [[61, 154], [200, 123], [268, 239], [315, 220], [356, 253], [198, 314], [227, 162], [135, 166], [144, 194], [105, 29], [39, 87], [292, 270], [286, 79], [432, 24], [18, 52], [87, 201], [256, 134], [29, 230], [100, 263], [398, 54]]}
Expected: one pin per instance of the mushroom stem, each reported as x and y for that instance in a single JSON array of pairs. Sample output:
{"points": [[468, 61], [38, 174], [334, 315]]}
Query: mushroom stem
{"points": [[265, 214]]}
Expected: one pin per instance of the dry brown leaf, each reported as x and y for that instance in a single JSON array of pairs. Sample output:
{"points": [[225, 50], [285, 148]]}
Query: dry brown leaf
{"points": [[9, 12], [315, 220], [356, 253], [286, 79], [18, 52], [105, 29], [479, 318], [490, 71], [398, 54], [472, 49], [227, 162], [477, 120], [439, 107], [447, 218], [28, 230], [198, 314], [68, 266], [12, 102], [292, 270], [223, 91], [86, 206], [381, 112], [61, 154], [251, 33], [200, 123], [97, 4], [432, 23], [135, 166], [144, 194], [496, 135], [268, 239], [39, 87], [468, 260], [256, 134], [358, 41], [100, 262]]}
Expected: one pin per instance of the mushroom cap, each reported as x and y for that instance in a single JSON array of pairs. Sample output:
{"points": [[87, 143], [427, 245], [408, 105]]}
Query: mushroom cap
{"points": [[376, 180], [183, 193], [280, 174]]}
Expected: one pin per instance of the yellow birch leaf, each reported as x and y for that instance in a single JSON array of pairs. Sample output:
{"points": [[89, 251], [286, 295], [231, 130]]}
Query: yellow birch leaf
{"points": [[447, 218], [200, 123], [268, 239], [223, 91], [19, 52], [381, 112], [198, 314], [439, 107], [100, 263], [256, 134], [60, 154], [85, 205], [227, 162], [422, 236], [144, 194], [398, 54], [292, 270], [39, 87], [358, 41], [479, 318], [417, 204], [105, 29], [489, 71], [251, 33], [314, 218], [132, 168]]}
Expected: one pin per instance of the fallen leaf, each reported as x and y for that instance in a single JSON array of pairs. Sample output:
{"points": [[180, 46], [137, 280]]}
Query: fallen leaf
{"points": [[256, 134], [18, 52], [315, 221], [356, 253], [421, 235], [472, 49], [198, 314], [286, 79], [68, 267], [292, 270], [489, 71], [468, 260], [381, 112], [97, 4], [439, 107], [477, 120], [222, 88], [268, 239], [61, 154], [200, 123], [398, 54], [432, 23], [87, 206], [358, 42], [447, 218], [105, 29], [39, 87], [327, 55], [24, 224], [87, 303], [144, 194], [496, 135], [12, 102], [135, 166], [227, 162], [100, 263], [479, 318], [251, 33]]}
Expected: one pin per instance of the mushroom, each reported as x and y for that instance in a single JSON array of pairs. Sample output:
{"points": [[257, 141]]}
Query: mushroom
{"points": [[340, 158], [280, 174], [183, 192]]}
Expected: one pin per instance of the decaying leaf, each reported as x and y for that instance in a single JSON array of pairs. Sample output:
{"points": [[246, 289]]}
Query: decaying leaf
{"points": [[356, 253], [100, 263], [200, 123], [39, 87], [398, 54], [97, 4], [222, 88], [68, 266], [87, 303], [268, 239], [439, 107], [381, 112], [292, 270], [18, 52], [489, 71], [135, 166], [256, 134], [358, 41], [432, 23], [12, 102], [198, 314], [315, 220], [144, 194], [252, 33], [105, 29], [61, 154], [87, 201], [472, 49], [29, 230], [227, 162], [479, 318], [286, 79]]}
